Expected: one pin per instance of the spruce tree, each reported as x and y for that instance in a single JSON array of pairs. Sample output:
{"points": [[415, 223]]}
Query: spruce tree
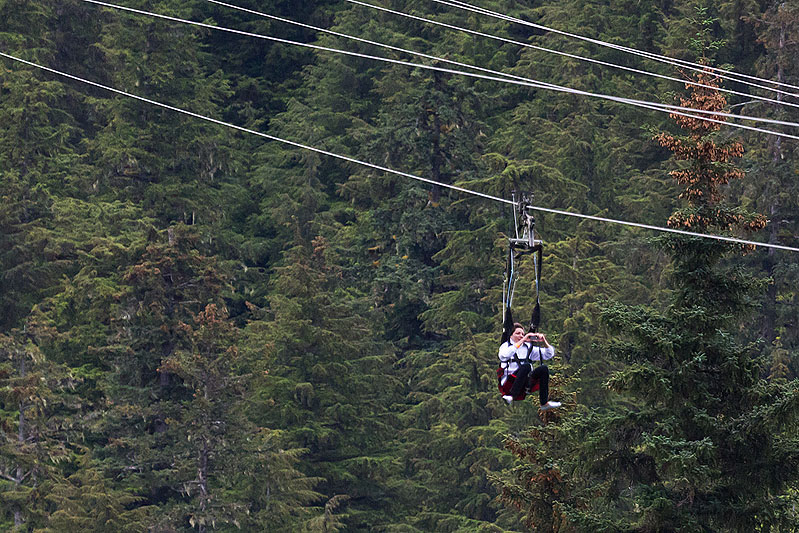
{"points": [[168, 283], [39, 161], [330, 383], [173, 167], [453, 419], [700, 442], [775, 194], [87, 501], [33, 393], [210, 432]]}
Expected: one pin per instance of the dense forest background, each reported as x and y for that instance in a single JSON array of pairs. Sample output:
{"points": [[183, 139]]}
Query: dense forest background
{"points": [[201, 329]]}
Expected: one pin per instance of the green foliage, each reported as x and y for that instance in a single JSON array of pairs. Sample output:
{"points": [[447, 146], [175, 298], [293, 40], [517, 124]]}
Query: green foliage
{"points": [[329, 383], [86, 501], [325, 335], [695, 439], [32, 437]]}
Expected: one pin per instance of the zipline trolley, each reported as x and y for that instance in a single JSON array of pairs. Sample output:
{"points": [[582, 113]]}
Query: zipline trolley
{"points": [[522, 244]]}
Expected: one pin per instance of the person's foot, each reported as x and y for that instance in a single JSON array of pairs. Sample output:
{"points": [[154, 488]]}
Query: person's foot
{"points": [[550, 405], [508, 399]]}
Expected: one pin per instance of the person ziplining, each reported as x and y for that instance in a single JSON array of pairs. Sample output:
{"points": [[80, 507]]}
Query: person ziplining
{"points": [[517, 352], [518, 376]]}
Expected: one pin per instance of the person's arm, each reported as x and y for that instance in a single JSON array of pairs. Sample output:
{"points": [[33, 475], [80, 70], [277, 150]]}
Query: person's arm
{"points": [[547, 352], [543, 350], [507, 351]]}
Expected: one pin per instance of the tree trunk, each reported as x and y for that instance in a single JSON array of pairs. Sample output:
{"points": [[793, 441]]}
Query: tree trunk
{"points": [[202, 479], [768, 329], [19, 476]]}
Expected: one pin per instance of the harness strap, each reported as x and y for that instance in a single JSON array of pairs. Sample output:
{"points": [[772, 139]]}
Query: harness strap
{"points": [[515, 358]]}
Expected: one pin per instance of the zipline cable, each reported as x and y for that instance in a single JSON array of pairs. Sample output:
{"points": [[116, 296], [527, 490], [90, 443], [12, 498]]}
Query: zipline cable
{"points": [[649, 55], [519, 43], [578, 57], [724, 73], [392, 171], [255, 132], [360, 39], [665, 108]]}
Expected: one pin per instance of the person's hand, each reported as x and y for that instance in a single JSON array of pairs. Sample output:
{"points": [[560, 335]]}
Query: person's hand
{"points": [[531, 337]]}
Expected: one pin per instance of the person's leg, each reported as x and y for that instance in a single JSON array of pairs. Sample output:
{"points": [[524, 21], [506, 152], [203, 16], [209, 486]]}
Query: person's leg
{"points": [[521, 380], [541, 375]]}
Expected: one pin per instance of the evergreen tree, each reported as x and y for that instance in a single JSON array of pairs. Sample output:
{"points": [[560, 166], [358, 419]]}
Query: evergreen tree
{"points": [[701, 442], [167, 284], [39, 160], [87, 501], [211, 431], [775, 194], [453, 419], [171, 166], [330, 383], [32, 439], [348, 319]]}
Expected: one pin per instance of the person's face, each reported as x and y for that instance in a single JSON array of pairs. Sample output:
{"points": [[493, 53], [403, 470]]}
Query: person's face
{"points": [[517, 335]]}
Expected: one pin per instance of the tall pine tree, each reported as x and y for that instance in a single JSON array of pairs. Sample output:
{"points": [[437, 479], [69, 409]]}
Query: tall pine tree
{"points": [[700, 442]]}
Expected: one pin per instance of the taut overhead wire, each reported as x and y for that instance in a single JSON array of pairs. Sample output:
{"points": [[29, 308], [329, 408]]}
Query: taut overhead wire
{"points": [[578, 57], [504, 78], [392, 171], [502, 39], [733, 76]]}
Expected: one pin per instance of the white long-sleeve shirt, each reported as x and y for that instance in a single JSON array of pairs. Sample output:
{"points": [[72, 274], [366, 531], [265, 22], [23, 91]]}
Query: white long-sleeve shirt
{"points": [[522, 350]]}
